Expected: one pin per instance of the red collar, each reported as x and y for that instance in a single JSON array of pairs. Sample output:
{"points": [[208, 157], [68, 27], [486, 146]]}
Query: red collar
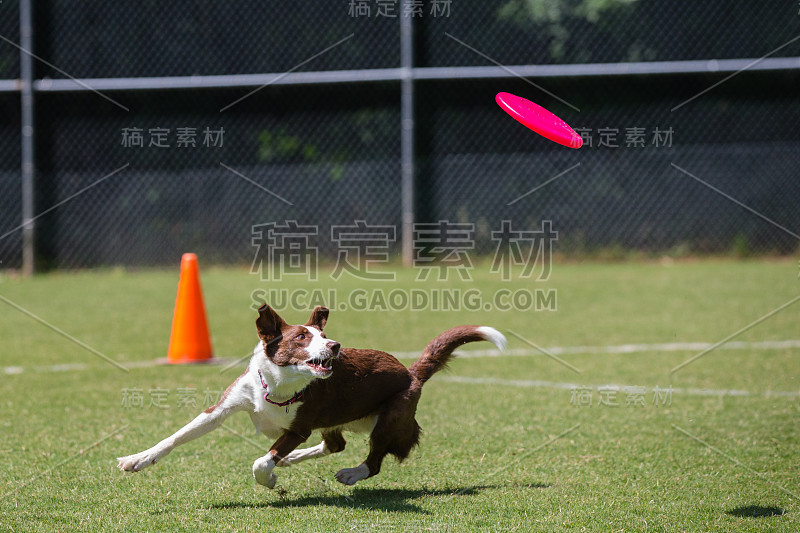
{"points": [[296, 398]]}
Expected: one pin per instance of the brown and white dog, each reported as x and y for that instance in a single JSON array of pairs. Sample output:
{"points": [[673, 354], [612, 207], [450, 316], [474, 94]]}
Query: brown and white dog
{"points": [[298, 381]]}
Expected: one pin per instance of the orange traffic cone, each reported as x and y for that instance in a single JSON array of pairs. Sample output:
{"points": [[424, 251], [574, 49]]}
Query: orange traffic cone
{"points": [[189, 341]]}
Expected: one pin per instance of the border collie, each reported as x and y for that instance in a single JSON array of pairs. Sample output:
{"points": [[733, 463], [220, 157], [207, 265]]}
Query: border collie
{"points": [[299, 381]]}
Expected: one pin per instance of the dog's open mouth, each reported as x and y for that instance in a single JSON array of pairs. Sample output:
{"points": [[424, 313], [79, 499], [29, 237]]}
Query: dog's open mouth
{"points": [[322, 367]]}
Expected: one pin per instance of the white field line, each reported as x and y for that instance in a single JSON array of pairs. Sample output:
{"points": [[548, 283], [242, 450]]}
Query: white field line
{"points": [[467, 354], [620, 349], [539, 384], [71, 367]]}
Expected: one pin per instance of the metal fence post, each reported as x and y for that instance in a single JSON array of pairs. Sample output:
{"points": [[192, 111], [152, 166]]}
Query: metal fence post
{"points": [[407, 135], [28, 166]]}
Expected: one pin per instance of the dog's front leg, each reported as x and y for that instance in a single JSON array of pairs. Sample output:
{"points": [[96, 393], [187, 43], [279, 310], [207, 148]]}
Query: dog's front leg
{"points": [[236, 398], [263, 466]]}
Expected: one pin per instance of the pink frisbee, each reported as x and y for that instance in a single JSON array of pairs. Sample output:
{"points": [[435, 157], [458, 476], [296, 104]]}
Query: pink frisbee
{"points": [[539, 120]]}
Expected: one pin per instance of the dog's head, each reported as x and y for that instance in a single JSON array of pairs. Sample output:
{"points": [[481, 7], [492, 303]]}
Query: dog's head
{"points": [[306, 348]]}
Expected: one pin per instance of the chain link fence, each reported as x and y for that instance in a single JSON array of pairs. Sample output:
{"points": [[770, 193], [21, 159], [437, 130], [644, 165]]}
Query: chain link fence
{"points": [[139, 162], [10, 184]]}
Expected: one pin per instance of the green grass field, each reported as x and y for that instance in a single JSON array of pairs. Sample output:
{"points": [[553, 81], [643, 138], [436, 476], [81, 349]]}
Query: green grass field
{"points": [[510, 444]]}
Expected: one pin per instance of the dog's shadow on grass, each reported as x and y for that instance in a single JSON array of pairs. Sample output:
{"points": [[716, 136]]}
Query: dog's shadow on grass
{"points": [[389, 500], [755, 511]]}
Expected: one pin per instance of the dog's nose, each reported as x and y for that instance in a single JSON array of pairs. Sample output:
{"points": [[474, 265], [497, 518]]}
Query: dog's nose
{"points": [[334, 347]]}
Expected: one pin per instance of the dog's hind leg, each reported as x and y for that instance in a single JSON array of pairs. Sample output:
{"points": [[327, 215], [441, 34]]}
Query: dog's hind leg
{"points": [[332, 442], [379, 446], [396, 432]]}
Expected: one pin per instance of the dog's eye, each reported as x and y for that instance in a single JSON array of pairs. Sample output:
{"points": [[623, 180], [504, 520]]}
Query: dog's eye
{"points": [[300, 337]]}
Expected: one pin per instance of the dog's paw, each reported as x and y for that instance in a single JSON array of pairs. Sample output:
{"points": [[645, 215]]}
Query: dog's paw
{"points": [[136, 462], [351, 476], [262, 472]]}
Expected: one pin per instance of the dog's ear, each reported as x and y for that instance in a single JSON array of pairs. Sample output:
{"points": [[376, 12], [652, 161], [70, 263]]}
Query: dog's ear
{"points": [[268, 324], [319, 316]]}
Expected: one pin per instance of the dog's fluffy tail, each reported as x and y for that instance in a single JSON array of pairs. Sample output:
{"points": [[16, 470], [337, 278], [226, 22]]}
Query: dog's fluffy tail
{"points": [[440, 350]]}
